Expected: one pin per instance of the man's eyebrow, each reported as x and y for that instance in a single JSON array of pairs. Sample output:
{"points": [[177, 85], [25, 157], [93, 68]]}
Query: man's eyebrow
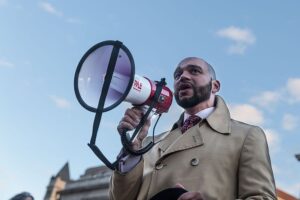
{"points": [[178, 69], [194, 66]]}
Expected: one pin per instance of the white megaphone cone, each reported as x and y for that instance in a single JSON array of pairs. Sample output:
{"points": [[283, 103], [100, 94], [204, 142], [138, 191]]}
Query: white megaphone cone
{"points": [[142, 92]]}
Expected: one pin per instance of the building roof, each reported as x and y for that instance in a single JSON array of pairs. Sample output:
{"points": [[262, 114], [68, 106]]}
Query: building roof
{"points": [[64, 173], [284, 196]]}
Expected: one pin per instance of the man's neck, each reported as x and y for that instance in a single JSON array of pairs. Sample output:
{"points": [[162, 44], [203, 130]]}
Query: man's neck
{"points": [[201, 106]]}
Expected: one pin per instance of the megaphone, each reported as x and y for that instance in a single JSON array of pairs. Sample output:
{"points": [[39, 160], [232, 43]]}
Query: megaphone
{"points": [[124, 85], [105, 77]]}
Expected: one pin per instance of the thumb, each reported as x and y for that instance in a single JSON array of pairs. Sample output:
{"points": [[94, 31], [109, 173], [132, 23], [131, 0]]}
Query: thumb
{"points": [[178, 185]]}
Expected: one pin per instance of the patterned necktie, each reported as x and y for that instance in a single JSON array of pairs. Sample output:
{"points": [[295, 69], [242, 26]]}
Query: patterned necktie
{"points": [[189, 122]]}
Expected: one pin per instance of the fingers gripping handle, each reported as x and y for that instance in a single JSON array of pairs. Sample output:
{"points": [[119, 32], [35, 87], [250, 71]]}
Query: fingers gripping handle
{"points": [[127, 143]]}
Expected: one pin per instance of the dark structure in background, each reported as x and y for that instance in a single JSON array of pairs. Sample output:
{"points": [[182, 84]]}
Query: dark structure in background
{"points": [[297, 156], [23, 196], [92, 185]]}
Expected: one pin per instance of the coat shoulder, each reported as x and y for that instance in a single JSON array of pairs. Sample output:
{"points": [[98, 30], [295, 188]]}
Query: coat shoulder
{"points": [[244, 129]]}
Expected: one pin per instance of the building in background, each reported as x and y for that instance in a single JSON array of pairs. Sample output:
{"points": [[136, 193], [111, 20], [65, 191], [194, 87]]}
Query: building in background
{"points": [[57, 183], [281, 195], [93, 185]]}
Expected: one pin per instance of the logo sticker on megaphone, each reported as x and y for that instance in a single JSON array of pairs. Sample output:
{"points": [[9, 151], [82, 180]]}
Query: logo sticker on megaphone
{"points": [[142, 93]]}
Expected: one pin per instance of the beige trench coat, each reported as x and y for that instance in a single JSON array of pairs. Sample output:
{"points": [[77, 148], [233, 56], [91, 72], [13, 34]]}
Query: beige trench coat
{"points": [[221, 158]]}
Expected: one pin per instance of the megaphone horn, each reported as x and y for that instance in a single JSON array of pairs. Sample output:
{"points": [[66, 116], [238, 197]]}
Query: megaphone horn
{"points": [[124, 84]]}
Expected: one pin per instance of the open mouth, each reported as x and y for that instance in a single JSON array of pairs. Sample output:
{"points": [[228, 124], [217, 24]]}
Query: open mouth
{"points": [[185, 90], [184, 86]]}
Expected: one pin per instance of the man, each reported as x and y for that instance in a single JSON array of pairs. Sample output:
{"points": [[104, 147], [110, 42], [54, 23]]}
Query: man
{"points": [[218, 158]]}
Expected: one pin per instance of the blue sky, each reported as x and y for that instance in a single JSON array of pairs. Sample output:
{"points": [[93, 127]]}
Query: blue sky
{"points": [[253, 46]]}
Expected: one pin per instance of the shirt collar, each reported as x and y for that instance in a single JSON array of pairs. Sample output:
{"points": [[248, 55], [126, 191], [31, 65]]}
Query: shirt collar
{"points": [[203, 114], [219, 119]]}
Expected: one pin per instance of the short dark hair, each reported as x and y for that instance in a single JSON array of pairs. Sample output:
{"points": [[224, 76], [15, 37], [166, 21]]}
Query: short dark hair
{"points": [[211, 71], [22, 196], [210, 68]]}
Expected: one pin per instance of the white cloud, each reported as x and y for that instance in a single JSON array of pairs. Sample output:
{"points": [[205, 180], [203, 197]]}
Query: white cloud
{"points": [[246, 113], [60, 102], [49, 8], [293, 88], [289, 93], [242, 38], [273, 140], [289, 122], [6, 63], [237, 34], [266, 99]]}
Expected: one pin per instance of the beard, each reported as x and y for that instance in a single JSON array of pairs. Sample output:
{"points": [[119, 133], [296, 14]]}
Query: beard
{"points": [[200, 94]]}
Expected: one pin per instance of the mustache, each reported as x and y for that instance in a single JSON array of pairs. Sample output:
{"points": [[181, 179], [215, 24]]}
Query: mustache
{"points": [[184, 85]]}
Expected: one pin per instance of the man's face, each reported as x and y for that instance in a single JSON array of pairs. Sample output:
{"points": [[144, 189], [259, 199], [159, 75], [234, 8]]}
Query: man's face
{"points": [[192, 83]]}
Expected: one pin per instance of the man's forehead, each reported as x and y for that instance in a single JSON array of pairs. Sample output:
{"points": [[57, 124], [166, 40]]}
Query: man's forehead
{"points": [[192, 62]]}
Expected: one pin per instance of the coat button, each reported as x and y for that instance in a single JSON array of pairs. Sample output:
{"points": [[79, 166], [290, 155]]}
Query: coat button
{"points": [[194, 161], [159, 166]]}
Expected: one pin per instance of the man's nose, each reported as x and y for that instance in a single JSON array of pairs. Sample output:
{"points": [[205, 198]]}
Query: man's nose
{"points": [[185, 75]]}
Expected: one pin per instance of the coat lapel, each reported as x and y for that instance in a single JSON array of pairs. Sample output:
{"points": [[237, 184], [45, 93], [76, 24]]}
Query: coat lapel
{"points": [[176, 141]]}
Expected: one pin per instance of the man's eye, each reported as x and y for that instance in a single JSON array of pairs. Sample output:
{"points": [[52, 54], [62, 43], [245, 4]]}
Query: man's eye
{"points": [[195, 71], [176, 76]]}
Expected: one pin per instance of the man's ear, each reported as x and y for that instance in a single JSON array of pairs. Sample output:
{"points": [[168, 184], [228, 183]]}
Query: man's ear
{"points": [[216, 85]]}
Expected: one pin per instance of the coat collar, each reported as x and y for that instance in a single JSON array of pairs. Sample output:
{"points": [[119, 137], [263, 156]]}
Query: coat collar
{"points": [[219, 119]]}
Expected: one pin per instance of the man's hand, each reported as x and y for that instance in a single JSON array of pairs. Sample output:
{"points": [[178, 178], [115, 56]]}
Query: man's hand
{"points": [[189, 195], [131, 119]]}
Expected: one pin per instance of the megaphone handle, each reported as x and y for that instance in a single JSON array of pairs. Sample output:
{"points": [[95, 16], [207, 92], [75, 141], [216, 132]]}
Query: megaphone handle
{"points": [[153, 103], [141, 124], [127, 144]]}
